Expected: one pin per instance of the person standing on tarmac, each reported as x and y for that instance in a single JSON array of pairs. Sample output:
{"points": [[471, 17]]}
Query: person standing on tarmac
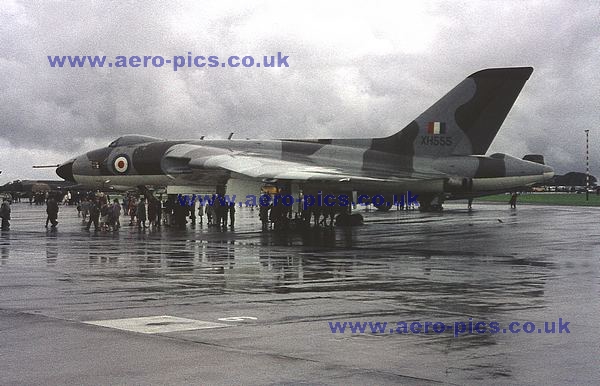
{"points": [[85, 209], [218, 220], [52, 211], [5, 214], [223, 209], [132, 207], [158, 209], [116, 214], [210, 214], [94, 214], [513, 201], [141, 213], [201, 212], [231, 214], [263, 214], [151, 214], [192, 212]]}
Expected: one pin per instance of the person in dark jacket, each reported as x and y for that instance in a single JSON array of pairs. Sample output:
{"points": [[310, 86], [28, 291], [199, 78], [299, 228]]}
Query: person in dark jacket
{"points": [[263, 214], [5, 214], [152, 213], [132, 208], [223, 209], [201, 211], [231, 214], [513, 201], [52, 211], [141, 214], [94, 214], [115, 210]]}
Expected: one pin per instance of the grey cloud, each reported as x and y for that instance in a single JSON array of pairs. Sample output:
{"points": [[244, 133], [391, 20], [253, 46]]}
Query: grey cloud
{"points": [[326, 92]]}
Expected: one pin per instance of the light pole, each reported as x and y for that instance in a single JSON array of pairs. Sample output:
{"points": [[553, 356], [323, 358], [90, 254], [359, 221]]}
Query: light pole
{"points": [[587, 165]]}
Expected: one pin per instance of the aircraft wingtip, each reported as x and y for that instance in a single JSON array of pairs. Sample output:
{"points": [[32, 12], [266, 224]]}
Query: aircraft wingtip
{"points": [[504, 72]]}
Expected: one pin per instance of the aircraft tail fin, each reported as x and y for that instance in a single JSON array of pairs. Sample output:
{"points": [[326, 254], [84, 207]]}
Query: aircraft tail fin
{"points": [[465, 120]]}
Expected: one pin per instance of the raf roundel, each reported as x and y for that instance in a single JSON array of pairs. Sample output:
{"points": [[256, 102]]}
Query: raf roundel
{"points": [[121, 164]]}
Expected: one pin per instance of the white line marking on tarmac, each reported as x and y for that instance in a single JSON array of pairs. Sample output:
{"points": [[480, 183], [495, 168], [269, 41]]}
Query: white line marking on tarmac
{"points": [[237, 318], [156, 324]]}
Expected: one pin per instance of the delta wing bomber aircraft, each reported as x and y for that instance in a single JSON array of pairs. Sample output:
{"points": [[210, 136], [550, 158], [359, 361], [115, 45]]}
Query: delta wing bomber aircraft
{"points": [[439, 156]]}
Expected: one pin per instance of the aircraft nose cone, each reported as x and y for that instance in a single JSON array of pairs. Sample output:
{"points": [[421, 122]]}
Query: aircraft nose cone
{"points": [[65, 171]]}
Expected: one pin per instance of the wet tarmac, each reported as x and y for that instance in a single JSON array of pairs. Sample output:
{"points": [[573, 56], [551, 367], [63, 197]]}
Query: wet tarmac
{"points": [[249, 307]]}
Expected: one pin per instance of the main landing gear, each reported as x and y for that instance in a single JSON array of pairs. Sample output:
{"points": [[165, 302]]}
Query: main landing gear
{"points": [[431, 203]]}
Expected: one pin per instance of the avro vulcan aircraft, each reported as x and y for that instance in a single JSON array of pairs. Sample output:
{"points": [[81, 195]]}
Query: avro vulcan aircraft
{"points": [[439, 155]]}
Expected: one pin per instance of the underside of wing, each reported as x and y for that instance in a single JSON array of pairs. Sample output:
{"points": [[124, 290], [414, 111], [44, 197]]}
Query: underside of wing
{"points": [[265, 168]]}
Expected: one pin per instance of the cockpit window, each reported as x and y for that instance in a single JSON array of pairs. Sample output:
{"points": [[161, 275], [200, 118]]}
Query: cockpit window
{"points": [[127, 140]]}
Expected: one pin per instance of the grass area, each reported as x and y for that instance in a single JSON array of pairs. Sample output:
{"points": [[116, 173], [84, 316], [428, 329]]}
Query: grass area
{"points": [[568, 199]]}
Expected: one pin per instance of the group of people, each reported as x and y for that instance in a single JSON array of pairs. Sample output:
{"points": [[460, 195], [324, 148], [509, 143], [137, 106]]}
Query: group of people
{"points": [[281, 216], [217, 215], [100, 211], [139, 212], [38, 198], [154, 212], [277, 215], [105, 215]]}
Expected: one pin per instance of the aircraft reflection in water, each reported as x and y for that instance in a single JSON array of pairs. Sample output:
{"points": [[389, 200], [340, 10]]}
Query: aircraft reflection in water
{"points": [[418, 274], [439, 155]]}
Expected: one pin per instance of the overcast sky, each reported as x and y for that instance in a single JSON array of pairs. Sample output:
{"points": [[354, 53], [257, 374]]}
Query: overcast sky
{"points": [[357, 69]]}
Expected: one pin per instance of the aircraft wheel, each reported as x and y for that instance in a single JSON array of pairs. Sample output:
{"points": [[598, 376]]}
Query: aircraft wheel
{"points": [[430, 204], [345, 219]]}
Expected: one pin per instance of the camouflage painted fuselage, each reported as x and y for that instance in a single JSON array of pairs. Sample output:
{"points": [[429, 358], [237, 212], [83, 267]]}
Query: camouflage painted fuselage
{"points": [[440, 152]]}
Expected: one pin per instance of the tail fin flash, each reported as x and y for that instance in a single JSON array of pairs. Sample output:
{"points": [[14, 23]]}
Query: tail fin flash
{"points": [[465, 120]]}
